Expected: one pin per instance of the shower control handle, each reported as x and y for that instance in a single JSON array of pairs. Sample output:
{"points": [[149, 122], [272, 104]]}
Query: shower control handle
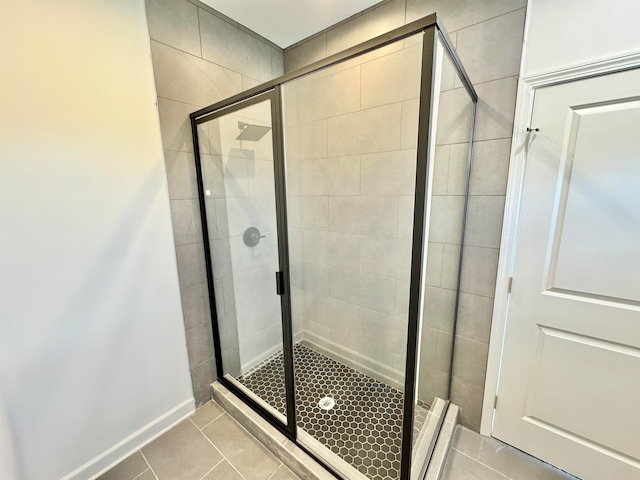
{"points": [[251, 237]]}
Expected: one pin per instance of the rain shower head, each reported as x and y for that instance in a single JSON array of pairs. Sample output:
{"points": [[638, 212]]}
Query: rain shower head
{"points": [[250, 132]]}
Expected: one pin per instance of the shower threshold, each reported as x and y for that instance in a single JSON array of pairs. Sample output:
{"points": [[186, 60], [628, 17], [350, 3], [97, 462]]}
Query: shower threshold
{"points": [[363, 426]]}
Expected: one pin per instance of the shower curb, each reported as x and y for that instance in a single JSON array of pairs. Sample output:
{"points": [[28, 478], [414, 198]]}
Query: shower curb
{"points": [[285, 450], [298, 461], [443, 444]]}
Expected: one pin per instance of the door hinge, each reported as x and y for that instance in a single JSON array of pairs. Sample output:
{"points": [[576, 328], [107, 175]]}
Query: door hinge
{"points": [[509, 284], [495, 402]]}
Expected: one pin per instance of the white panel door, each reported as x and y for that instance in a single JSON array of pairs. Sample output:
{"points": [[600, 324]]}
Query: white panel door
{"points": [[569, 388]]}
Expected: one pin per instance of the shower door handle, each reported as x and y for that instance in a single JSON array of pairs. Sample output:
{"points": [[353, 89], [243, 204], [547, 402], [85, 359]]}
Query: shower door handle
{"points": [[279, 283]]}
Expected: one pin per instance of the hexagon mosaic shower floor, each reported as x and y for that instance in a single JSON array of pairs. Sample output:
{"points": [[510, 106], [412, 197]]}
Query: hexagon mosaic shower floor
{"points": [[363, 428]]}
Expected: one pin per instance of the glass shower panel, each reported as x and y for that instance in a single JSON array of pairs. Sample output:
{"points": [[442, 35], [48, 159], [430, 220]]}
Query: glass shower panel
{"points": [[452, 117], [237, 160], [350, 148]]}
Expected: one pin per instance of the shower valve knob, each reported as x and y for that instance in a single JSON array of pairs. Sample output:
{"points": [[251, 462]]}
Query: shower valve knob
{"points": [[251, 237]]}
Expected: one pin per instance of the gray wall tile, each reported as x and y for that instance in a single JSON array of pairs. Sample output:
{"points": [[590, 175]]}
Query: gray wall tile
{"points": [[174, 124], [470, 360], [474, 317], [490, 167], [185, 216], [195, 305], [308, 52], [175, 23], [375, 22], [457, 14], [468, 396], [484, 221], [190, 265], [187, 78], [233, 48], [491, 50], [181, 175], [496, 108], [479, 270]]}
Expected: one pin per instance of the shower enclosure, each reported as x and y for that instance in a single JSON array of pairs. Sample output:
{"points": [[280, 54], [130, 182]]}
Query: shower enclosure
{"points": [[333, 203]]}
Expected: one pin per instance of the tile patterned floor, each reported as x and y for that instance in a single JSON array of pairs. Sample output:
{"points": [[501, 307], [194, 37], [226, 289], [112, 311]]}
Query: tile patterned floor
{"points": [[363, 428], [473, 457], [210, 445]]}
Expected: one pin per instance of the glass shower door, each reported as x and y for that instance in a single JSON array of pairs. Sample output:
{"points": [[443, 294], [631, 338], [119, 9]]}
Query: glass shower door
{"points": [[237, 175]]}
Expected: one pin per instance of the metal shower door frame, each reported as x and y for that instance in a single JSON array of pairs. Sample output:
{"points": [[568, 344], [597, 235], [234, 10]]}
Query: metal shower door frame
{"points": [[433, 31], [282, 277]]}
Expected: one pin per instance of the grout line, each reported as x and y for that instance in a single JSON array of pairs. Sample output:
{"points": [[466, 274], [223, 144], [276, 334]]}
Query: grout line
{"points": [[145, 471], [212, 469], [148, 464], [205, 426], [275, 471], [219, 451]]}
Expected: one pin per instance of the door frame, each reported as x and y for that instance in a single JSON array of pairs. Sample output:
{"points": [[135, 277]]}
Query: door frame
{"points": [[527, 87]]}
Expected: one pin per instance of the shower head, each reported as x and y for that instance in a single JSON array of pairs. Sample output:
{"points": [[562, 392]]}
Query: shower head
{"points": [[250, 132]]}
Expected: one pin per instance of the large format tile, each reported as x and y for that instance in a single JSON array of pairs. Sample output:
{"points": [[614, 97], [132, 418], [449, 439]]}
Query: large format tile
{"points": [[128, 469], [491, 50], [191, 270], [484, 221], [233, 48], [175, 23], [457, 14], [460, 467], [182, 453], [305, 53], [330, 176], [241, 449], [375, 22], [199, 344], [392, 78], [490, 167], [185, 216], [388, 173], [479, 270], [367, 131], [206, 414], [202, 376], [470, 360], [468, 396], [388, 257], [446, 219], [496, 108], [186, 78], [371, 215], [327, 94], [369, 291], [181, 175], [175, 125], [283, 473], [223, 471], [195, 305], [474, 317]]}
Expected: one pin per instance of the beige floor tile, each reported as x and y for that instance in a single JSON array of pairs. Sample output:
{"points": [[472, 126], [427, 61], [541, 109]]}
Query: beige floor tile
{"points": [[223, 471], [182, 453], [206, 414], [251, 459], [128, 469]]}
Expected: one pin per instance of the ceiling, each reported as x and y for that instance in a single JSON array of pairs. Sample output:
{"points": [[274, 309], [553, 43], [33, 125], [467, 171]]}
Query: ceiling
{"points": [[286, 22]]}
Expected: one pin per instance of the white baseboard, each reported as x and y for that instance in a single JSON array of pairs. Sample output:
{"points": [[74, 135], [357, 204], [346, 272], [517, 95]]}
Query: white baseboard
{"points": [[121, 450]]}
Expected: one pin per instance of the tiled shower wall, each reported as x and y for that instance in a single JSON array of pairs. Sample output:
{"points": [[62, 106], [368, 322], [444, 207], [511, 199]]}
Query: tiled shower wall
{"points": [[488, 36], [350, 145], [199, 57]]}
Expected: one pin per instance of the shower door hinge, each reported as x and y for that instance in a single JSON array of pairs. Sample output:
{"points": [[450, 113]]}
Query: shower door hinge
{"points": [[495, 402], [509, 284]]}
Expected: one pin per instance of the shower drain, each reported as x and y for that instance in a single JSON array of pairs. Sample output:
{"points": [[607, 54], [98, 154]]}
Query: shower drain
{"points": [[327, 403]]}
